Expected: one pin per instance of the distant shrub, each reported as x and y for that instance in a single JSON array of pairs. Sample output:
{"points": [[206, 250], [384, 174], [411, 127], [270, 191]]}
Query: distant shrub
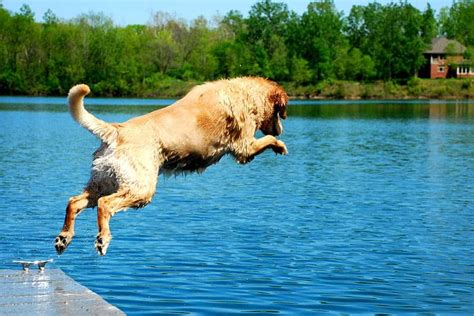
{"points": [[321, 87], [414, 86], [391, 89], [340, 91], [439, 92], [299, 91], [367, 92], [466, 84]]}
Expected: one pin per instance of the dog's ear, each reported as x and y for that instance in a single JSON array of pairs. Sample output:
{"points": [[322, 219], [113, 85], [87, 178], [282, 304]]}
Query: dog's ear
{"points": [[279, 99]]}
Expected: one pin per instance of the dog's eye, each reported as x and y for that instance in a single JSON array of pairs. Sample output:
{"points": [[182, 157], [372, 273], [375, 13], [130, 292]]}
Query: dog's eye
{"points": [[282, 112]]}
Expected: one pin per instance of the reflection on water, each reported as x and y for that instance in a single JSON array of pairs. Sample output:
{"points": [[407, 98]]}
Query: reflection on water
{"points": [[304, 108], [371, 212], [384, 111]]}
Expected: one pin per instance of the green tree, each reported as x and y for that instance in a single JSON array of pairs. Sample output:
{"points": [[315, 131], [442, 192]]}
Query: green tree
{"points": [[353, 65], [429, 25], [374, 41], [6, 72], [233, 53], [321, 37], [392, 35], [25, 54], [457, 22], [266, 36], [300, 71], [411, 57], [267, 19], [201, 64]]}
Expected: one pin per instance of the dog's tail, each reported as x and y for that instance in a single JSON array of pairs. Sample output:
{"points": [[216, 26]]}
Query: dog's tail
{"points": [[105, 131]]}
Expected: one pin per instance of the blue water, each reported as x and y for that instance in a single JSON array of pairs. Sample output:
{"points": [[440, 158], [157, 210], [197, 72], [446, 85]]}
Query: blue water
{"points": [[372, 211]]}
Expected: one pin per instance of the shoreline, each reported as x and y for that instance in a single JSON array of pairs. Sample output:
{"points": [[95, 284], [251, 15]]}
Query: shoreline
{"points": [[414, 89]]}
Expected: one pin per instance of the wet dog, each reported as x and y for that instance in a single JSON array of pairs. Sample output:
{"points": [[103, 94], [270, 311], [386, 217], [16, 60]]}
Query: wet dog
{"points": [[212, 120]]}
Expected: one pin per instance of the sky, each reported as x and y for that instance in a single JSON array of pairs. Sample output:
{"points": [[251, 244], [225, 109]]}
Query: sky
{"points": [[124, 12]]}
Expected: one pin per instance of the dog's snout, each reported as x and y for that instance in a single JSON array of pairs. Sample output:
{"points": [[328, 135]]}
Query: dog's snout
{"points": [[277, 128]]}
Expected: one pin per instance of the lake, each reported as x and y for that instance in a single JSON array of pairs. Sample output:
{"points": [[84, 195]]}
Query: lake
{"points": [[372, 211]]}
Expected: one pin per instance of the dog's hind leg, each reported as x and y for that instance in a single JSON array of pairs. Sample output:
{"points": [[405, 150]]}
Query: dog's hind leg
{"points": [[107, 206], [75, 206], [257, 146]]}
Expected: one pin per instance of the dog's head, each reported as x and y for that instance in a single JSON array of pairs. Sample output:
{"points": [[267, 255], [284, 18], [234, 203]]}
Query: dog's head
{"points": [[277, 101]]}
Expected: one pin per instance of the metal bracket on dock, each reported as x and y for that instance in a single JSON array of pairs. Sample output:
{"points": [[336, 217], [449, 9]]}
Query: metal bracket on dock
{"points": [[40, 263]]}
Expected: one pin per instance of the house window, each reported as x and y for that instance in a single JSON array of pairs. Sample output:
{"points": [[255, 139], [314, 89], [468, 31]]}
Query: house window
{"points": [[464, 70], [441, 69]]}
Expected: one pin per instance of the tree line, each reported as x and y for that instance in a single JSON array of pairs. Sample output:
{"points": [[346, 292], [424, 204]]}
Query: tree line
{"points": [[372, 42]]}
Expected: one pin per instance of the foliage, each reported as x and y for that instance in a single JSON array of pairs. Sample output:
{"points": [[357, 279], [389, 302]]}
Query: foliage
{"points": [[458, 21], [391, 36], [314, 53], [414, 86]]}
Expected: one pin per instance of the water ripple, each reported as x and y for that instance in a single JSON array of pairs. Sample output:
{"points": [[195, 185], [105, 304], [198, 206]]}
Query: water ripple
{"points": [[368, 214]]}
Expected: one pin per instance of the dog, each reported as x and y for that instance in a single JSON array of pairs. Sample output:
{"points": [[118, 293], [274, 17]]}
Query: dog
{"points": [[212, 120]]}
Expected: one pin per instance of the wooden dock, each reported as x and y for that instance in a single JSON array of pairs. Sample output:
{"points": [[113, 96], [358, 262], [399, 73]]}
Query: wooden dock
{"points": [[50, 292]]}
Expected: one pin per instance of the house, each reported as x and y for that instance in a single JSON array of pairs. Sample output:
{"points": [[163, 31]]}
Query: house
{"points": [[445, 60]]}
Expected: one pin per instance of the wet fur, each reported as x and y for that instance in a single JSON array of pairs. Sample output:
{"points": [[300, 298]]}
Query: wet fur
{"points": [[212, 120]]}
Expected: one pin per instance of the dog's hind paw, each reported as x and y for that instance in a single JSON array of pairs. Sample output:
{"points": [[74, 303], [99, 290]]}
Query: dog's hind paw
{"points": [[102, 244], [62, 242]]}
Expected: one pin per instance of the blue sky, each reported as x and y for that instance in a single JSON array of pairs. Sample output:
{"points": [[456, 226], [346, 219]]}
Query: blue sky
{"points": [[125, 12]]}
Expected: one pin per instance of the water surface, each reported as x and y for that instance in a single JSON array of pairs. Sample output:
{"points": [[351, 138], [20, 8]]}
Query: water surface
{"points": [[371, 212]]}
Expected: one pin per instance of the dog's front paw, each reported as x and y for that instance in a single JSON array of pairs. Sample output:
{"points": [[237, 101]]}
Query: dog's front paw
{"points": [[102, 243], [62, 241], [280, 148]]}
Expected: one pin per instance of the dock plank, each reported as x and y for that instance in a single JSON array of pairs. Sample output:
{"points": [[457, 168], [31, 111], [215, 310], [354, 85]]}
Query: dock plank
{"points": [[51, 292]]}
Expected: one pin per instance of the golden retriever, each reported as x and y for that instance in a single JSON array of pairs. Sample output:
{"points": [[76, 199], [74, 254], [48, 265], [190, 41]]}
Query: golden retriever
{"points": [[213, 119]]}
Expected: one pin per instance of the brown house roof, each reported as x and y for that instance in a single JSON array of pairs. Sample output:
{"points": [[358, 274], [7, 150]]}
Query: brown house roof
{"points": [[439, 45]]}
